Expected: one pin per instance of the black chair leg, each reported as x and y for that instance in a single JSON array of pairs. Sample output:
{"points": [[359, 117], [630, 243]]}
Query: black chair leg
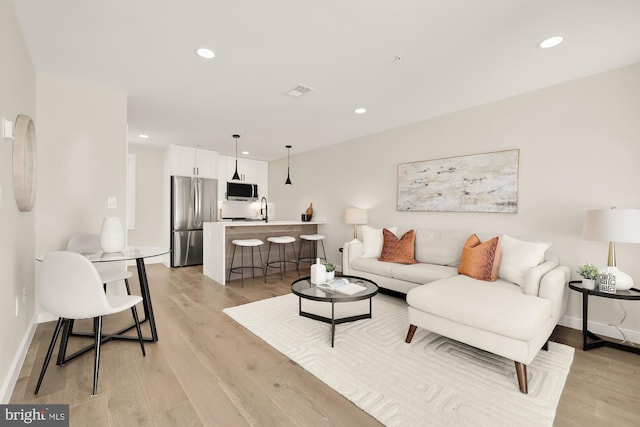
{"points": [[231, 267], [253, 270], [97, 325], [126, 284], [67, 331], [242, 265], [297, 261], [324, 253], [281, 259], [266, 266], [264, 276], [134, 312], [47, 358]]}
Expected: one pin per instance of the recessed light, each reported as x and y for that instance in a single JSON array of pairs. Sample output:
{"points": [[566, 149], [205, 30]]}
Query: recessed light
{"points": [[550, 42], [245, 152], [360, 110], [205, 53], [143, 136]]}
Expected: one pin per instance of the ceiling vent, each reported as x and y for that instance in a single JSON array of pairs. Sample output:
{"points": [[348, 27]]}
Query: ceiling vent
{"points": [[298, 91]]}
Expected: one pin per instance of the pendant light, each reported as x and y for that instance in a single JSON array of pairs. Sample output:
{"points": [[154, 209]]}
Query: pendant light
{"points": [[236, 177], [288, 181]]}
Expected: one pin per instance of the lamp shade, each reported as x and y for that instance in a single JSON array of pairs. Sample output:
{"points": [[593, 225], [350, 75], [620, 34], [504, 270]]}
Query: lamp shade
{"points": [[355, 216], [612, 225]]}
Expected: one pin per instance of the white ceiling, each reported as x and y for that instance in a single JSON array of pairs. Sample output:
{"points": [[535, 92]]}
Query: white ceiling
{"points": [[454, 54]]}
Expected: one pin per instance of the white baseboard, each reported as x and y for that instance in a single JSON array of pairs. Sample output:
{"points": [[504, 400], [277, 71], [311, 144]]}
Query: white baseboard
{"points": [[601, 329], [6, 389]]}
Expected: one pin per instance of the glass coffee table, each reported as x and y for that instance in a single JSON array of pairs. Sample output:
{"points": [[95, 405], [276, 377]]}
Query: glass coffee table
{"points": [[304, 289]]}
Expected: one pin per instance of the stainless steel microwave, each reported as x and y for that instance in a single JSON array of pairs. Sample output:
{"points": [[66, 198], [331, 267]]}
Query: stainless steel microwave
{"points": [[241, 191]]}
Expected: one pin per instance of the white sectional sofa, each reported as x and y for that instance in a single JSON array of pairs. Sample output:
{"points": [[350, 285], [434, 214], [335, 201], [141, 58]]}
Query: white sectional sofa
{"points": [[512, 316]]}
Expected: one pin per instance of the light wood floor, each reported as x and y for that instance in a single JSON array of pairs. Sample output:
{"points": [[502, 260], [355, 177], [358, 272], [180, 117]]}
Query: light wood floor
{"points": [[206, 370]]}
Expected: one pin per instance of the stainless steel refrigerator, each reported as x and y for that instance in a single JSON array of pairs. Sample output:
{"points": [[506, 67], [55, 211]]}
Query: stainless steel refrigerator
{"points": [[193, 201]]}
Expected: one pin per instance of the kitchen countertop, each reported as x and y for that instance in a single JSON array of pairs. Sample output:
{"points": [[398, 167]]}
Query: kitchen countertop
{"points": [[227, 223]]}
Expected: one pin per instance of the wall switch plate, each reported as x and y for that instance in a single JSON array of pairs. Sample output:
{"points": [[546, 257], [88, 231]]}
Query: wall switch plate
{"points": [[112, 202], [7, 129]]}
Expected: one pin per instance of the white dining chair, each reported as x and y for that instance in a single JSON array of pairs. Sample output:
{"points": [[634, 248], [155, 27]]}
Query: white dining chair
{"points": [[71, 288], [84, 243]]}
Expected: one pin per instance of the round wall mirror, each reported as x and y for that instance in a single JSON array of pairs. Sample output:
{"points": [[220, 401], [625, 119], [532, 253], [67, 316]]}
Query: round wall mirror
{"points": [[25, 163]]}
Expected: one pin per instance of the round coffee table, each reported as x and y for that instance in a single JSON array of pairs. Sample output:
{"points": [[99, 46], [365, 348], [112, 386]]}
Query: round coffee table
{"points": [[304, 289]]}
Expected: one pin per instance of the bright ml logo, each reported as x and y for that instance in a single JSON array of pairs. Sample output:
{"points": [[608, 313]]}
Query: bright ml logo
{"points": [[34, 415]]}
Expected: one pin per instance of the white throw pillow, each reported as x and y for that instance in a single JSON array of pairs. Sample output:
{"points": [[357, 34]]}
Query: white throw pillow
{"points": [[372, 240], [518, 257]]}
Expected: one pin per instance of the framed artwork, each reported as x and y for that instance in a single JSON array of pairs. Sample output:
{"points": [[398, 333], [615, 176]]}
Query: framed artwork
{"points": [[476, 183]]}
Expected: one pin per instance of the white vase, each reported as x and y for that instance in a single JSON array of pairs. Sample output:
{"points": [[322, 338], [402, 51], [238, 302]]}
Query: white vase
{"points": [[330, 275], [111, 235], [589, 284]]}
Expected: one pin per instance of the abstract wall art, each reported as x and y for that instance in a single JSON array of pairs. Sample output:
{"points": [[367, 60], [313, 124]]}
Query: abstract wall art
{"points": [[476, 183]]}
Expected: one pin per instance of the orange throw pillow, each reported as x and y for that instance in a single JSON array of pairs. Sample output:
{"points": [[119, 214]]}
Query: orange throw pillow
{"points": [[398, 250], [480, 260]]}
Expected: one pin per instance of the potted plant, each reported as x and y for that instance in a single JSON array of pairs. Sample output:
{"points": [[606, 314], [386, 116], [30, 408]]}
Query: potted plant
{"points": [[589, 273], [331, 270]]}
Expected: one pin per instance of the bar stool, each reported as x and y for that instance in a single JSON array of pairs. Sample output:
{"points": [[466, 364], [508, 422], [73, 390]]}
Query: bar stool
{"points": [[243, 243], [312, 239], [281, 241]]}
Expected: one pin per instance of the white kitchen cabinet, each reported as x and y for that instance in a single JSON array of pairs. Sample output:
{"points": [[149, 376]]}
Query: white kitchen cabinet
{"points": [[246, 169], [262, 174], [189, 161], [250, 171]]}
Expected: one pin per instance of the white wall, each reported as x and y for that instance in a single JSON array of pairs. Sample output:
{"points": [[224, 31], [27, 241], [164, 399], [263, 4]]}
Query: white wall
{"points": [[83, 144], [82, 157], [579, 149], [149, 196], [17, 96]]}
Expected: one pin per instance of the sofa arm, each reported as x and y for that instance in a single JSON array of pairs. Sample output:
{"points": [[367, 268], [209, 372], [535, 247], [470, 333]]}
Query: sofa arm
{"points": [[350, 251], [553, 287], [534, 275]]}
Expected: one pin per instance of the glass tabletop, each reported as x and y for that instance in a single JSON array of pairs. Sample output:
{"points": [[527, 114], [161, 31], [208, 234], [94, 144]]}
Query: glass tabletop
{"points": [[128, 253], [305, 289], [631, 294]]}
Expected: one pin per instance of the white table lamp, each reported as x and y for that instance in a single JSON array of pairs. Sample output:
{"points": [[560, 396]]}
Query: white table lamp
{"points": [[613, 225], [355, 216]]}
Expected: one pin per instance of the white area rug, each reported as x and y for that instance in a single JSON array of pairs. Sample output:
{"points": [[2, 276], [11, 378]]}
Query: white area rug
{"points": [[434, 381]]}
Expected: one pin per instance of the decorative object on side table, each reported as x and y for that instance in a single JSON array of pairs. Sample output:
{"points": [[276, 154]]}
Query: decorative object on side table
{"points": [[589, 273], [331, 270], [613, 225], [607, 282]]}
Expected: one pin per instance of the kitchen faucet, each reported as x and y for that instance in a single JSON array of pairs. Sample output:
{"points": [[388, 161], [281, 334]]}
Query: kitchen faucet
{"points": [[265, 212]]}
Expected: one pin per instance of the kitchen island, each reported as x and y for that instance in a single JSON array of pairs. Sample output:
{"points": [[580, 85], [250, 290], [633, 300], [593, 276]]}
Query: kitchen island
{"points": [[217, 247]]}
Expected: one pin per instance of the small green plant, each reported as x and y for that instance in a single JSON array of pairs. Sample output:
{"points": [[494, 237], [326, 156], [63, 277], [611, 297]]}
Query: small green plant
{"points": [[329, 267], [588, 271]]}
